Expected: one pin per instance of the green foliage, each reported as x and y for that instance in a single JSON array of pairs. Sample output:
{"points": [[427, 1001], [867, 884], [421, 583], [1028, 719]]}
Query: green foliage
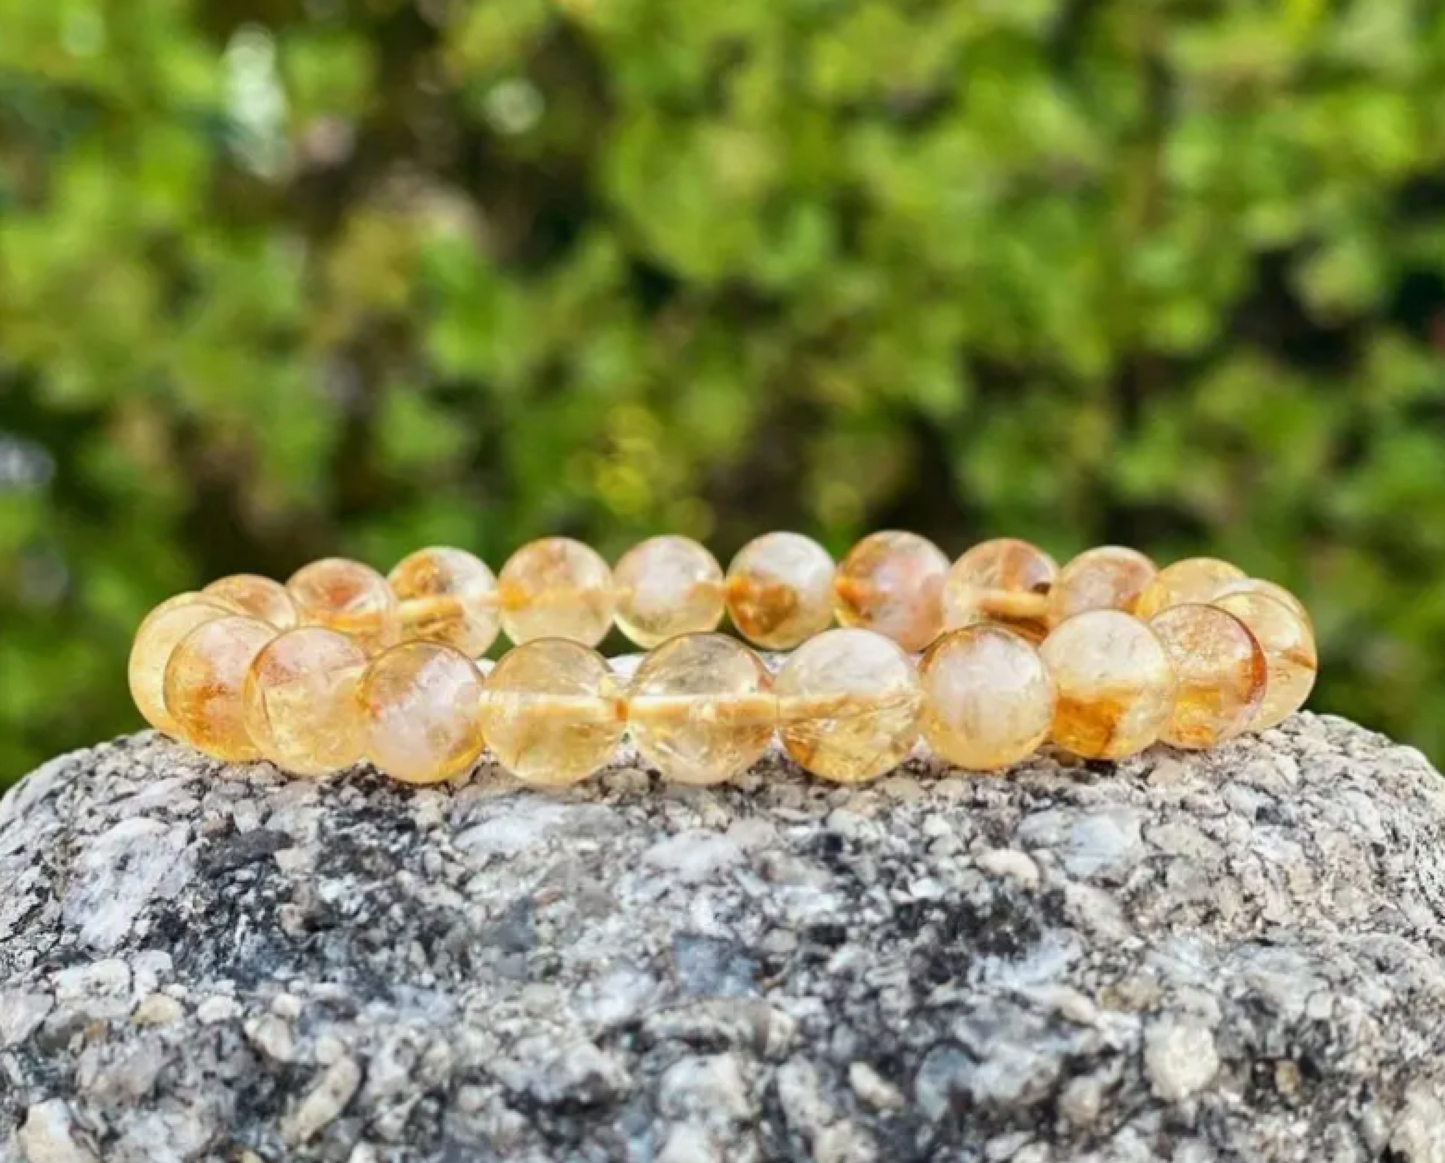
{"points": [[281, 278]]}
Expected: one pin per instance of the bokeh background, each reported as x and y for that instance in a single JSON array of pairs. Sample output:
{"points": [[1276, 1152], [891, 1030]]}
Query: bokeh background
{"points": [[285, 278]]}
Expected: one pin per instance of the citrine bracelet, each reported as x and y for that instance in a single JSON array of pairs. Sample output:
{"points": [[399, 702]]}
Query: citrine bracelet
{"points": [[985, 660]]}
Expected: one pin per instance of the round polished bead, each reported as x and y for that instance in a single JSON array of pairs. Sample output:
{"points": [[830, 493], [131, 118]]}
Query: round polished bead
{"points": [[1116, 685], [1257, 585], [1221, 671], [556, 588], [1110, 577], [701, 709], [1005, 581], [255, 597], [420, 712], [1289, 653], [449, 596], [552, 713], [348, 597], [299, 700], [1195, 579], [988, 698], [667, 586], [151, 649], [205, 683], [780, 590], [848, 703], [892, 583]]}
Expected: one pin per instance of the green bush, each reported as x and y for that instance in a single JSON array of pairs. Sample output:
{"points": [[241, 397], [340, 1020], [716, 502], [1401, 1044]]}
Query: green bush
{"points": [[286, 278]]}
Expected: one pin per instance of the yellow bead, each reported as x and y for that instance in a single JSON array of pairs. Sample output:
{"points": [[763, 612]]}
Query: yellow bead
{"points": [[988, 698], [255, 597], [1005, 581], [1289, 653], [154, 641], [552, 713], [1115, 683], [780, 590], [667, 586], [1256, 585], [1195, 579], [300, 704], [1107, 578], [892, 583], [556, 588], [349, 597], [420, 712], [848, 703], [205, 683], [448, 596], [701, 709], [1221, 671]]}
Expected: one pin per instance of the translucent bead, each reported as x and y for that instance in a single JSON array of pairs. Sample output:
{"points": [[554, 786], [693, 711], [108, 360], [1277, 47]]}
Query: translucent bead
{"points": [[1221, 671], [892, 583], [151, 649], [1107, 578], [701, 709], [848, 703], [988, 698], [552, 713], [780, 590], [1115, 684], [556, 588], [256, 597], [420, 712], [1289, 653], [667, 586], [349, 597], [1195, 579], [205, 683], [1005, 581], [448, 596], [299, 701], [1256, 585]]}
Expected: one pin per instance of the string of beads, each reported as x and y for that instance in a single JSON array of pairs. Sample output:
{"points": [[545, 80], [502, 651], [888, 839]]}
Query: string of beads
{"points": [[1103, 657]]}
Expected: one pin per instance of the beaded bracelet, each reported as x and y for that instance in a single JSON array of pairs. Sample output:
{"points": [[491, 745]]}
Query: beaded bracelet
{"points": [[1103, 657]]}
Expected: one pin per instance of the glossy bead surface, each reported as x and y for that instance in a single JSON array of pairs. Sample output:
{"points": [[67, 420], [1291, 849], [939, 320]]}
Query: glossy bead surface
{"points": [[420, 712], [1289, 653], [256, 597], [151, 649], [449, 596], [1005, 581], [205, 683], [1115, 683], [1221, 671], [701, 709], [848, 703], [1195, 579], [780, 590], [1110, 577], [556, 588], [349, 597], [988, 698], [1257, 585], [667, 586], [552, 713], [299, 701], [892, 583]]}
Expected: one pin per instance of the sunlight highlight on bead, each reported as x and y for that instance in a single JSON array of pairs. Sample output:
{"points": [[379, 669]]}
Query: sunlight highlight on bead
{"points": [[1006, 581], [667, 586], [780, 590], [420, 712], [892, 583], [299, 701], [349, 597], [1221, 671], [256, 597], [205, 681], [449, 596], [1195, 579], [556, 588], [151, 650], [1110, 577]]}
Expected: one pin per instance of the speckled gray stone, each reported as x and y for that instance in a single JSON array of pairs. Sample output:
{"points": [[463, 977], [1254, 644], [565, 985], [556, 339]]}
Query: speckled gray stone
{"points": [[1192, 958]]}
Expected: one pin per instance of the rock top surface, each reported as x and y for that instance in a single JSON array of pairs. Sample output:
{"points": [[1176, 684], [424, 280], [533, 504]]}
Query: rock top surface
{"points": [[1235, 955]]}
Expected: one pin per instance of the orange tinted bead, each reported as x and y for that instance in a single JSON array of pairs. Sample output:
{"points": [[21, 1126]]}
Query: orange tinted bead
{"points": [[1107, 578], [349, 597], [447, 595], [892, 583], [256, 597], [154, 641], [556, 588], [780, 590], [1195, 579], [667, 586], [1256, 585], [1289, 653], [1221, 671], [1005, 581], [205, 683], [300, 703], [420, 712]]}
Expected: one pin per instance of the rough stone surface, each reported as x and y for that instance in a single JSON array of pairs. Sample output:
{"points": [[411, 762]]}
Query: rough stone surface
{"points": [[1193, 958]]}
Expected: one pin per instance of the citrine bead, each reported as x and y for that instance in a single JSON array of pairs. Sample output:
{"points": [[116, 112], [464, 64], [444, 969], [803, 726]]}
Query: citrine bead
{"points": [[892, 583], [1221, 671], [300, 701], [552, 713], [349, 597], [780, 590], [447, 595], [556, 588], [988, 698], [1110, 577], [1289, 653], [848, 703], [667, 586], [256, 597], [1195, 579], [1256, 585], [205, 683], [420, 712], [1005, 581], [151, 650], [701, 709], [1116, 685]]}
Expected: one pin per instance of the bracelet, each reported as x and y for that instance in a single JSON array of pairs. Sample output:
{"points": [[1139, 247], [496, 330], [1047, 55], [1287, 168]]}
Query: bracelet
{"points": [[1103, 657]]}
